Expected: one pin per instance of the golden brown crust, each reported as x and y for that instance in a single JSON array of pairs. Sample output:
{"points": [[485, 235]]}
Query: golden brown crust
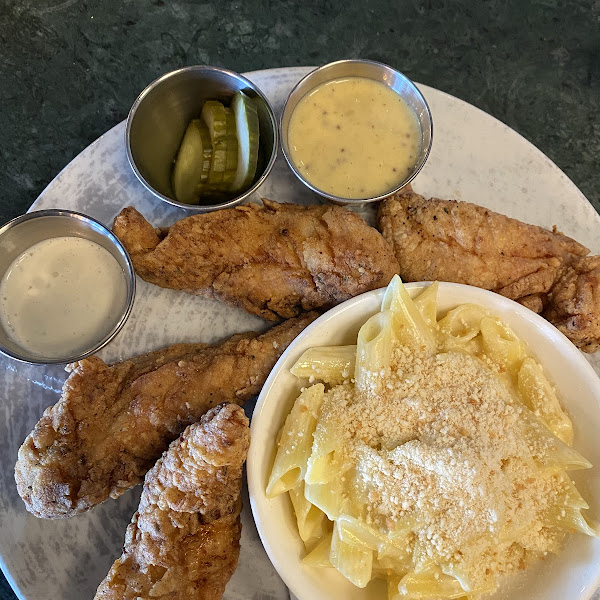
{"points": [[545, 271], [273, 261], [183, 542], [454, 241], [114, 421], [574, 303]]}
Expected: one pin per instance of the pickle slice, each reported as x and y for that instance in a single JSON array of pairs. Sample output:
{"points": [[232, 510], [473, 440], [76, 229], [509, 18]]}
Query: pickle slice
{"points": [[217, 167], [246, 121], [215, 117], [231, 149], [221, 125], [193, 162]]}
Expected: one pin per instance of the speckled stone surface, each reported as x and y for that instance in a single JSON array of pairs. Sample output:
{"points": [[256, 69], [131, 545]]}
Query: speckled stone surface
{"points": [[70, 70]]}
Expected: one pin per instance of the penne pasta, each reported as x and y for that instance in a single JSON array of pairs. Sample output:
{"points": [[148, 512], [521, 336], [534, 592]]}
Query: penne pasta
{"points": [[330, 364], [548, 450], [295, 442], [327, 497], [569, 518], [373, 349], [353, 562], [570, 495], [389, 548], [426, 303], [501, 345], [323, 465], [429, 585], [409, 325], [319, 555], [309, 518], [540, 398], [461, 324]]}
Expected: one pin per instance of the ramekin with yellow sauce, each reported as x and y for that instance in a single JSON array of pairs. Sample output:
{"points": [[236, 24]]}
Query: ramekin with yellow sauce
{"points": [[356, 131]]}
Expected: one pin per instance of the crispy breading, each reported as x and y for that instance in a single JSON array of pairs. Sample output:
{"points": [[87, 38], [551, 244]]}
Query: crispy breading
{"points": [[546, 271], [574, 303], [113, 422], [183, 542], [274, 260]]}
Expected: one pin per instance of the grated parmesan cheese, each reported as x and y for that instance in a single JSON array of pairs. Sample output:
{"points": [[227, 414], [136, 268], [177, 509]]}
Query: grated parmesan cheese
{"points": [[441, 440]]}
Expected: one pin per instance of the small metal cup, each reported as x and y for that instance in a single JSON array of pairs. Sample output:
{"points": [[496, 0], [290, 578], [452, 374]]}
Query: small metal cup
{"points": [[160, 115], [371, 70], [23, 232]]}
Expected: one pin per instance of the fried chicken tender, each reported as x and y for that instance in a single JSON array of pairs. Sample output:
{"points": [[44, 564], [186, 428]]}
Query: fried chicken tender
{"points": [[273, 261], [545, 271], [183, 542], [573, 304], [113, 421]]}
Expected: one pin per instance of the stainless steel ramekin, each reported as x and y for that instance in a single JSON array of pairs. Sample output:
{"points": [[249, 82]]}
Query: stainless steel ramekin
{"points": [[29, 229], [159, 117], [371, 70]]}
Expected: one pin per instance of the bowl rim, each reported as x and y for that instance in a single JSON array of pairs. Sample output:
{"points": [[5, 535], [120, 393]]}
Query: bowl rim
{"points": [[197, 208], [129, 273], [288, 567], [341, 199]]}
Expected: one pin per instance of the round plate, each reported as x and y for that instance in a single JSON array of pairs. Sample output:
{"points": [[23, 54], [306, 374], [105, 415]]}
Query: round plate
{"points": [[474, 157]]}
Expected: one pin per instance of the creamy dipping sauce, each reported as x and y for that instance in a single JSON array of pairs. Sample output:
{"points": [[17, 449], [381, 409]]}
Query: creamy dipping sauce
{"points": [[354, 138], [61, 296]]}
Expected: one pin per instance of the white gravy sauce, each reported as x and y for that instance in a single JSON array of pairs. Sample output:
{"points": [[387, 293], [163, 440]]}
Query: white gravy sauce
{"points": [[61, 296]]}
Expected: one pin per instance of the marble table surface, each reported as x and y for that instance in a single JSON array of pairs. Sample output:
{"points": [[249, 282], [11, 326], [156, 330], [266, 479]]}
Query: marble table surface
{"points": [[70, 69]]}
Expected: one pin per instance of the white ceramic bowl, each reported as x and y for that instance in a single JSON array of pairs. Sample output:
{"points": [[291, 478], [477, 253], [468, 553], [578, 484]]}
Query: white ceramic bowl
{"points": [[572, 575]]}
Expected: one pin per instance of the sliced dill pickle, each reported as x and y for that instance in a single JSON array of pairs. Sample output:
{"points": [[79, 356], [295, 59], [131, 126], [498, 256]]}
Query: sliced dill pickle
{"points": [[217, 167], [208, 162], [192, 164], [231, 150], [215, 117], [246, 121], [222, 129]]}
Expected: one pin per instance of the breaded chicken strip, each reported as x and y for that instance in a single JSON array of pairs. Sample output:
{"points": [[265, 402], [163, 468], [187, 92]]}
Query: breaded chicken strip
{"points": [[183, 542], [274, 260], [573, 303], [461, 242], [113, 422]]}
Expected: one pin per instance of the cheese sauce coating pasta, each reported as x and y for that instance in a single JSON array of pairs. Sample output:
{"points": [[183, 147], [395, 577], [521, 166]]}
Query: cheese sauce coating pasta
{"points": [[441, 465]]}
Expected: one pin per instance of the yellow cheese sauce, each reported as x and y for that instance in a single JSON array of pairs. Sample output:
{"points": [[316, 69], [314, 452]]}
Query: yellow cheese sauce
{"points": [[354, 138], [61, 296]]}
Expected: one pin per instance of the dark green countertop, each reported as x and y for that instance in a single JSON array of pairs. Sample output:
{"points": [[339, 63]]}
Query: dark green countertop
{"points": [[70, 69]]}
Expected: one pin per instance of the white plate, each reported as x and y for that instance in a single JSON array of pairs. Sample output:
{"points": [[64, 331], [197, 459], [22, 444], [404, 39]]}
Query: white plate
{"points": [[474, 157], [572, 575]]}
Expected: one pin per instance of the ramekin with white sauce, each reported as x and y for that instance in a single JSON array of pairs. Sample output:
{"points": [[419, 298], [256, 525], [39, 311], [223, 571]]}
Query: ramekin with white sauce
{"points": [[67, 287]]}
